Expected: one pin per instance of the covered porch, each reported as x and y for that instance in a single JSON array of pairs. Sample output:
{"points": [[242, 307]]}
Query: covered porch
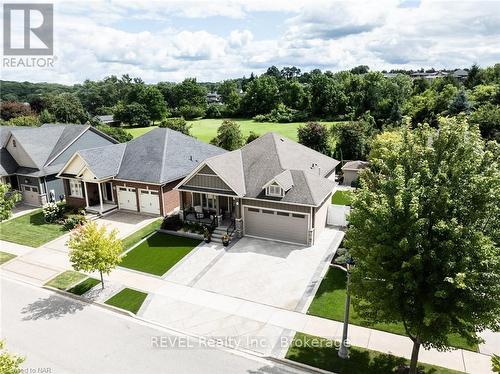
{"points": [[208, 208], [99, 197]]}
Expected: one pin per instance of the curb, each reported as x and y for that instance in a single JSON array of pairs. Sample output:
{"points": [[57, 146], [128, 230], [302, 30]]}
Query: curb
{"points": [[298, 365]]}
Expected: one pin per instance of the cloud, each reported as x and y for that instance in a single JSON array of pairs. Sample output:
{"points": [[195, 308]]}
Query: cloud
{"points": [[218, 40]]}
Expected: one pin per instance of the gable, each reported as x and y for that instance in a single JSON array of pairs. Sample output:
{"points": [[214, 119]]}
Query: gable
{"points": [[206, 178], [88, 139], [19, 153], [74, 167]]}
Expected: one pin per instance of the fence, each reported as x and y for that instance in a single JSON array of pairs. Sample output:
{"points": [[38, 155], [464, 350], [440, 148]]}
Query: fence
{"points": [[337, 215]]}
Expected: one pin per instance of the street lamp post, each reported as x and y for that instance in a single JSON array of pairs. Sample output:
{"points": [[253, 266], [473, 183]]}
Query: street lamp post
{"points": [[343, 351]]}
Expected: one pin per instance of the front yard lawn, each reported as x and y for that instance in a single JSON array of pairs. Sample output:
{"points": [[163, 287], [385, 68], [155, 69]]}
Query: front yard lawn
{"points": [[158, 253], [342, 197], [128, 299], [30, 229], [329, 303], [84, 286], [66, 279], [322, 354], [137, 236], [4, 257]]}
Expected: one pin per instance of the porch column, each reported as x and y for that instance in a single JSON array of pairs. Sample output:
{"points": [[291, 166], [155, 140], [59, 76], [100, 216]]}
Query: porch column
{"points": [[100, 196], [86, 195]]}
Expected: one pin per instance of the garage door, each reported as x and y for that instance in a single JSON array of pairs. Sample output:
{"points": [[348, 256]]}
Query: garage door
{"points": [[270, 224], [127, 198], [150, 201], [31, 195]]}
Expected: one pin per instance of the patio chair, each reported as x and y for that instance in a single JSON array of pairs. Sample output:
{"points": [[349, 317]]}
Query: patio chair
{"points": [[198, 210]]}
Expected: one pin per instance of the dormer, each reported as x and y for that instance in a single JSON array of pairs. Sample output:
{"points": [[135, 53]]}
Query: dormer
{"points": [[279, 185]]}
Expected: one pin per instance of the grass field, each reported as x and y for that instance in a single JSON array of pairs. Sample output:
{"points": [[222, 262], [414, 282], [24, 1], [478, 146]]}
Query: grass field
{"points": [[342, 197], [84, 286], [206, 129], [329, 303], [324, 355], [158, 253], [132, 239], [66, 279], [30, 229], [4, 257], [128, 299]]}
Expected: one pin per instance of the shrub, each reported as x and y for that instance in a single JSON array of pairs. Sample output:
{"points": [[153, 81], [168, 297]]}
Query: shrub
{"points": [[260, 118], [74, 220], [191, 111], [172, 222], [251, 137], [177, 124], [215, 111], [53, 212], [116, 133]]}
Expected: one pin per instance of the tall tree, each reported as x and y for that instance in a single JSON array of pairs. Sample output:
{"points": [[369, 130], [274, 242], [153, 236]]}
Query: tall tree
{"points": [[424, 233], [315, 136], [229, 136], [66, 108], [261, 96], [93, 249]]}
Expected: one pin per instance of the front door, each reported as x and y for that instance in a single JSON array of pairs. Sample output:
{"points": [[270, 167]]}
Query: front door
{"points": [[108, 192]]}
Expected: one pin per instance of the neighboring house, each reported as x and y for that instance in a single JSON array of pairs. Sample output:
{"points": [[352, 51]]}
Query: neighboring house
{"points": [[107, 120], [460, 74], [137, 176], [272, 188], [351, 171], [32, 156], [213, 97]]}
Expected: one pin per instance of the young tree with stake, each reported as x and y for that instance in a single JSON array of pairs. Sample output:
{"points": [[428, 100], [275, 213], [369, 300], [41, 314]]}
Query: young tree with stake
{"points": [[93, 249]]}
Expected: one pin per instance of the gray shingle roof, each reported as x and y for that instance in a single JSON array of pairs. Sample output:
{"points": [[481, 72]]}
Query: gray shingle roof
{"points": [[269, 157], [355, 165], [7, 163], [159, 156]]}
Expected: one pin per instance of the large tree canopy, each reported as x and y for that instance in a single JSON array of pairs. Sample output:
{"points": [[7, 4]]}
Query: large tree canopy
{"points": [[424, 232]]}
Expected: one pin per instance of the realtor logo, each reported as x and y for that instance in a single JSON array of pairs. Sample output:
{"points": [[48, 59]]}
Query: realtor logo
{"points": [[28, 29]]}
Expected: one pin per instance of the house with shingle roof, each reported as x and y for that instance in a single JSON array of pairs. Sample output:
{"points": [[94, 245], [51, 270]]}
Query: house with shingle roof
{"points": [[31, 157], [272, 188], [136, 176], [351, 170]]}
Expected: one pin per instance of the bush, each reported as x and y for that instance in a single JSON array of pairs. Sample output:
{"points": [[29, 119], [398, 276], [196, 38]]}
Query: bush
{"points": [[117, 133], [53, 212], [177, 124], [191, 111], [172, 222], [251, 137], [74, 220], [260, 118], [32, 121], [215, 111]]}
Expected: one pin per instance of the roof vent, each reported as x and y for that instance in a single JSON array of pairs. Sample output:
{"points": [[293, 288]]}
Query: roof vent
{"points": [[190, 157], [313, 165]]}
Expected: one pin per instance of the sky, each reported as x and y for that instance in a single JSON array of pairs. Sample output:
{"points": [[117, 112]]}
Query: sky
{"points": [[218, 39]]}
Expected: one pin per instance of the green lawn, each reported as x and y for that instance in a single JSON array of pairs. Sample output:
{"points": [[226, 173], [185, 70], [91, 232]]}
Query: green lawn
{"points": [[324, 355], [30, 229], [158, 253], [206, 129], [4, 257], [132, 239], [66, 279], [342, 197], [84, 286], [128, 299], [329, 303]]}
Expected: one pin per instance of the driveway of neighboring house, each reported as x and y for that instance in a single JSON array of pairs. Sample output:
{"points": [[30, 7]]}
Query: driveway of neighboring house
{"points": [[263, 271]]}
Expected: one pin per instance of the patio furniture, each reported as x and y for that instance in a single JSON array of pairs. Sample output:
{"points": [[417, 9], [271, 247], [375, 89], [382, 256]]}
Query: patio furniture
{"points": [[198, 210]]}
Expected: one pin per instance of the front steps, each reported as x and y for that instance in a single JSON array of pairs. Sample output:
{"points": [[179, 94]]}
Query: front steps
{"points": [[220, 231]]}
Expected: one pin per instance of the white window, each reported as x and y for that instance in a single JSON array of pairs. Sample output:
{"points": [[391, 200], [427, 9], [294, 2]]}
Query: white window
{"points": [[274, 190], [75, 188], [209, 201]]}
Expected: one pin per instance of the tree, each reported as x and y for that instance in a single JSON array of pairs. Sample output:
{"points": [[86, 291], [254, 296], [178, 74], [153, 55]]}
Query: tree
{"points": [[315, 136], [93, 249], [352, 140], [177, 124], [46, 117], [117, 133], [295, 95], [361, 69], [67, 108], [152, 99], [473, 77], [261, 96], [251, 137], [8, 200], [424, 234], [229, 136], [487, 117], [30, 121], [385, 145], [460, 104], [134, 114], [13, 109], [189, 93], [9, 363]]}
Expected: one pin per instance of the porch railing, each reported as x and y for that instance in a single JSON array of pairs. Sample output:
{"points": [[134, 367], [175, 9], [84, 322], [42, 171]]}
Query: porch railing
{"points": [[231, 227]]}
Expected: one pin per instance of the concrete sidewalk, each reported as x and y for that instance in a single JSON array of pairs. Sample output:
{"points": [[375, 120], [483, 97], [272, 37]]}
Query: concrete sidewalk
{"points": [[208, 312]]}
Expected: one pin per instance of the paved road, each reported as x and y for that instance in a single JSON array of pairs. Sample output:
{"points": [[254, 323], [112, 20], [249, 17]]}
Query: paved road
{"points": [[61, 335]]}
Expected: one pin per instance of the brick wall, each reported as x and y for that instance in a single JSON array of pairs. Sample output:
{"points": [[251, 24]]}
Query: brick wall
{"points": [[170, 198]]}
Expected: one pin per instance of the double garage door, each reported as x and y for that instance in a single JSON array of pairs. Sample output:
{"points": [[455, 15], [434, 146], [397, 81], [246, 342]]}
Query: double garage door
{"points": [[149, 200], [277, 225]]}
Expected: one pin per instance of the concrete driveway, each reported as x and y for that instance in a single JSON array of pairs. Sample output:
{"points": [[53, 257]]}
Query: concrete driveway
{"points": [[263, 271]]}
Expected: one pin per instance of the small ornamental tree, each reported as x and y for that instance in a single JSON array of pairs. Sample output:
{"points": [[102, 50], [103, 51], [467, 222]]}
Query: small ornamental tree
{"points": [[229, 136], [8, 200], [315, 136], [424, 234], [177, 124], [93, 249], [9, 363]]}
